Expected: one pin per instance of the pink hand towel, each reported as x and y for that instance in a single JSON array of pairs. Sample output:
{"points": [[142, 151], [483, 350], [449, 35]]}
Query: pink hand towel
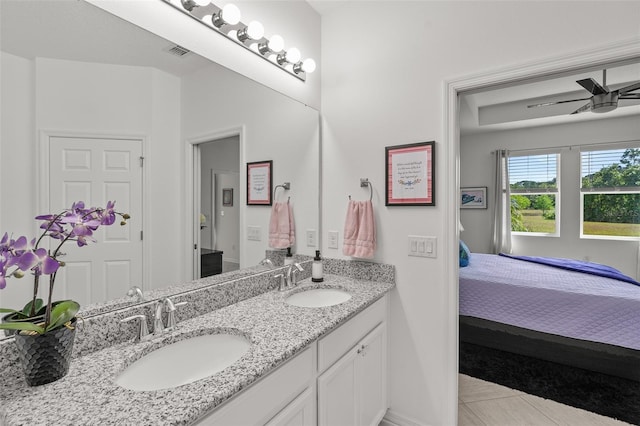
{"points": [[281, 225], [359, 230]]}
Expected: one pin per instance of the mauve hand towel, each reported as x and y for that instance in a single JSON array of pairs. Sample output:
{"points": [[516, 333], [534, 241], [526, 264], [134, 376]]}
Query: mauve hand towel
{"points": [[359, 230], [281, 225]]}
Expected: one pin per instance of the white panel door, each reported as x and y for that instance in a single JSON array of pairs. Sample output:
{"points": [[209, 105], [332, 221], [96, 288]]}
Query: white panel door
{"points": [[95, 171]]}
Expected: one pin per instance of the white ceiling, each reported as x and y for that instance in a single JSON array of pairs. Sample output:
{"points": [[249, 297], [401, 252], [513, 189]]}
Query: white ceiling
{"points": [[76, 30]]}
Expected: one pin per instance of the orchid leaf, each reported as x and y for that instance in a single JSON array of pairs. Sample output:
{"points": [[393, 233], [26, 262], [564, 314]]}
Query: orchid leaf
{"points": [[27, 308], [28, 326], [61, 313], [7, 311]]}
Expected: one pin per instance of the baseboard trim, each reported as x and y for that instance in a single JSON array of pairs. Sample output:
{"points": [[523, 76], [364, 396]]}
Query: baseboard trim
{"points": [[393, 418]]}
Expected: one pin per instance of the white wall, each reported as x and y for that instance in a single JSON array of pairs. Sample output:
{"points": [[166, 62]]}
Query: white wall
{"points": [[94, 99], [476, 169], [275, 128], [384, 64], [294, 20]]}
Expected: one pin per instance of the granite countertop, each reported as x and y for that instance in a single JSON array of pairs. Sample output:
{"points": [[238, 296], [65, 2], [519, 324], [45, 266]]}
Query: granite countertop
{"points": [[277, 331]]}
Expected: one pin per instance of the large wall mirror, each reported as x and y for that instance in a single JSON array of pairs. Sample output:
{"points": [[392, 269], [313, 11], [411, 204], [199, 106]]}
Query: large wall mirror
{"points": [[75, 77]]}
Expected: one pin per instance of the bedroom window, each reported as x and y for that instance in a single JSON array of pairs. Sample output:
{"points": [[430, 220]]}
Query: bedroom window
{"points": [[610, 192], [533, 182]]}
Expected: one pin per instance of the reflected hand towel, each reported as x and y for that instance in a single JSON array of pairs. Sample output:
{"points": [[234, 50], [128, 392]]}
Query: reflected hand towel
{"points": [[281, 225], [359, 230]]}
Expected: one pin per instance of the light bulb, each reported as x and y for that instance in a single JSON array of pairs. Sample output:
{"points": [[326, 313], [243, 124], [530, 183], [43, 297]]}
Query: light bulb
{"points": [[276, 43], [202, 2], [230, 14], [293, 55], [255, 30], [308, 65]]}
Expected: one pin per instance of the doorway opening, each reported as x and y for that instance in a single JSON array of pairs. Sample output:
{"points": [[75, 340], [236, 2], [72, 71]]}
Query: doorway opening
{"points": [[217, 200]]}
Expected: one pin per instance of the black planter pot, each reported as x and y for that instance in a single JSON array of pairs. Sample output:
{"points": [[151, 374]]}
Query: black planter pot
{"points": [[46, 357]]}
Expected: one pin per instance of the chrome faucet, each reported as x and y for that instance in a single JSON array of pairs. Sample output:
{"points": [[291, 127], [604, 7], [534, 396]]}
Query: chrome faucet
{"points": [[266, 262], [165, 305], [136, 292], [290, 278]]}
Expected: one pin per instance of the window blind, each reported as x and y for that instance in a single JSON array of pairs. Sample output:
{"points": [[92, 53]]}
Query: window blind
{"points": [[610, 170], [533, 173]]}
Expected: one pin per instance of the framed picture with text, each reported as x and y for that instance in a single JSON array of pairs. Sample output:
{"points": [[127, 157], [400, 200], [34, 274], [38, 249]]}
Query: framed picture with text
{"points": [[259, 183], [410, 175]]}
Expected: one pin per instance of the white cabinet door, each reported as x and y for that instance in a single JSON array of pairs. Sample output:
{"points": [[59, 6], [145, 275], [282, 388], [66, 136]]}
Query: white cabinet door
{"points": [[300, 412], [372, 377], [353, 391], [338, 394]]}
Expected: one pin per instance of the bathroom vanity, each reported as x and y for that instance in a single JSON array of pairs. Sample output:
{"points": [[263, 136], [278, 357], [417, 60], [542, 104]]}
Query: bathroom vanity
{"points": [[321, 365]]}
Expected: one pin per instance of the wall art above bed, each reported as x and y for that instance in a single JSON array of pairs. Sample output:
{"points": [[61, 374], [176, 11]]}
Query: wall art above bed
{"points": [[473, 198]]}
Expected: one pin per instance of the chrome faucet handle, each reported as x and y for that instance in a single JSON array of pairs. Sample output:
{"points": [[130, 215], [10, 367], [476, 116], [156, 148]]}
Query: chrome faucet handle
{"points": [[282, 286], [143, 330], [171, 312], [267, 262], [158, 325], [136, 292]]}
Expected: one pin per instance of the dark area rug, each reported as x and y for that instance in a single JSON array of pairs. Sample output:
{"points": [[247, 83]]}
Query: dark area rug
{"points": [[599, 393]]}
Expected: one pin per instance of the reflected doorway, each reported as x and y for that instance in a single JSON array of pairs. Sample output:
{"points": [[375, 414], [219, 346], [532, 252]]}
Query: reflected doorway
{"points": [[219, 162]]}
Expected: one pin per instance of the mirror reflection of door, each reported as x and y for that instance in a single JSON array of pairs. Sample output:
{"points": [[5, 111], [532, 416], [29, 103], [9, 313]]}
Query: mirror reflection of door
{"points": [[219, 206]]}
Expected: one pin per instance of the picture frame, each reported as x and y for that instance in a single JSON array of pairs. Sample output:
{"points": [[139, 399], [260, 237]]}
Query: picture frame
{"points": [[410, 174], [259, 183], [227, 197], [473, 197]]}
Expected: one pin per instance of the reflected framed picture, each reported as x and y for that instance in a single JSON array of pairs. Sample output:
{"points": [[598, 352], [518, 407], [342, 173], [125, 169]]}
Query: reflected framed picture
{"points": [[227, 197], [259, 183], [410, 176], [473, 197]]}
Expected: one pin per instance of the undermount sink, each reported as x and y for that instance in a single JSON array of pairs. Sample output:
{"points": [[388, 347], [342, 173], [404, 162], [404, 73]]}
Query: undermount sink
{"points": [[318, 297], [183, 362]]}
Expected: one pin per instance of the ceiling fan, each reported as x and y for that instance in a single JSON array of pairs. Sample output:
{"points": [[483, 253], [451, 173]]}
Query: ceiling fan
{"points": [[602, 99]]}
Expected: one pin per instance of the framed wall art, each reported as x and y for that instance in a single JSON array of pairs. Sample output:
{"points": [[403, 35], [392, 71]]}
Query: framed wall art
{"points": [[259, 183], [410, 175], [473, 197], [227, 197]]}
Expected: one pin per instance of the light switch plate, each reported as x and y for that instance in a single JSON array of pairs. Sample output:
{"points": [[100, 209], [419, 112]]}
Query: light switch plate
{"points": [[421, 246], [311, 238], [333, 239], [254, 233]]}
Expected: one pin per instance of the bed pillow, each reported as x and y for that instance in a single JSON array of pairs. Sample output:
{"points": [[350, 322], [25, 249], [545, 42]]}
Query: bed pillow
{"points": [[465, 254]]}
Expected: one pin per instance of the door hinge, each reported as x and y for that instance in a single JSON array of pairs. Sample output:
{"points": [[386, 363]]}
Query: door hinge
{"points": [[141, 236], [141, 161]]}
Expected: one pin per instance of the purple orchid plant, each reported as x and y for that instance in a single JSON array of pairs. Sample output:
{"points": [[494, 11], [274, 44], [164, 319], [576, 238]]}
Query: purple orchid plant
{"points": [[19, 257]]}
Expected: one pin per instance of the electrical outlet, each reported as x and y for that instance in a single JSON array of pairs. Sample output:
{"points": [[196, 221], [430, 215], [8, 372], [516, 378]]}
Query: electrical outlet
{"points": [[311, 238], [254, 233], [422, 246], [333, 239]]}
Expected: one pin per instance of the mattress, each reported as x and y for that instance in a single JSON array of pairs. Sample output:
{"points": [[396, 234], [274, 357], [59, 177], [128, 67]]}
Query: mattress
{"points": [[551, 300]]}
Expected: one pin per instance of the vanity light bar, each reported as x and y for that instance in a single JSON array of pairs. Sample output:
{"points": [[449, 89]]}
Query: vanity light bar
{"points": [[226, 21]]}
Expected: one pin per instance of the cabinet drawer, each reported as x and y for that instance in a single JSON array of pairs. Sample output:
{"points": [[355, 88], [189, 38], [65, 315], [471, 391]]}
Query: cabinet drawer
{"points": [[339, 341], [264, 399]]}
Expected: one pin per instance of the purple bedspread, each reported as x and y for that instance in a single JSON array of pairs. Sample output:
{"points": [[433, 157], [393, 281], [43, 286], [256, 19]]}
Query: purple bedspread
{"points": [[577, 266], [551, 300]]}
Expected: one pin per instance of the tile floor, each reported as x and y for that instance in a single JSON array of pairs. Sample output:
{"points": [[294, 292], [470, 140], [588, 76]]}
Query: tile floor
{"points": [[483, 403]]}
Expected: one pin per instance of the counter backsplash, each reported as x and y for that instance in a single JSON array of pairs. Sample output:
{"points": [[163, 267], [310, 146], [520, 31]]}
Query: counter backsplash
{"points": [[202, 296]]}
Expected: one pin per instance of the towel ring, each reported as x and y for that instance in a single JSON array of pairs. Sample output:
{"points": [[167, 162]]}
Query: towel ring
{"points": [[365, 182], [286, 186]]}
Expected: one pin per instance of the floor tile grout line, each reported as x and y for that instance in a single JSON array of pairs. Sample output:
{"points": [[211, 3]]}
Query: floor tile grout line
{"points": [[475, 414], [540, 411]]}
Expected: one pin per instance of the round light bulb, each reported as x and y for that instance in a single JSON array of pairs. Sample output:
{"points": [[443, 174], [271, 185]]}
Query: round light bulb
{"points": [[293, 55], [202, 2], [276, 43], [308, 65], [207, 19], [255, 30], [230, 14]]}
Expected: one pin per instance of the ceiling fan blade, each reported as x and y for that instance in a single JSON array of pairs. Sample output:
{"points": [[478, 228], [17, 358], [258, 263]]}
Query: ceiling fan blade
{"points": [[583, 108], [630, 96], [558, 102], [630, 88], [592, 86]]}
